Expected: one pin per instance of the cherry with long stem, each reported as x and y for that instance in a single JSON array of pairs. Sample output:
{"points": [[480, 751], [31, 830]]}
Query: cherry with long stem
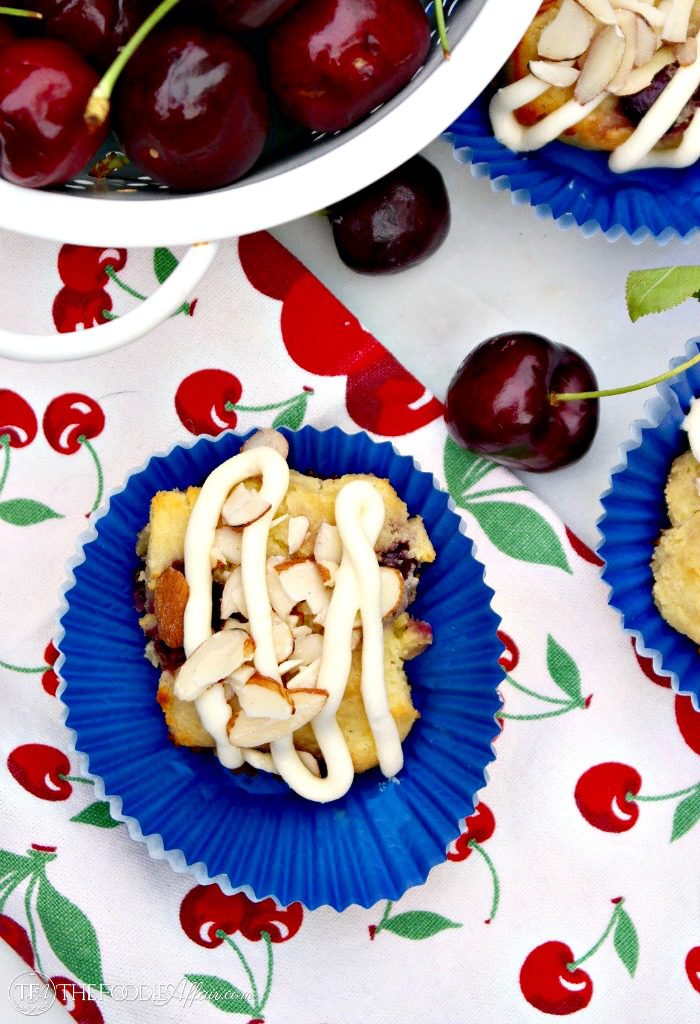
{"points": [[578, 396], [596, 945], [17, 12]]}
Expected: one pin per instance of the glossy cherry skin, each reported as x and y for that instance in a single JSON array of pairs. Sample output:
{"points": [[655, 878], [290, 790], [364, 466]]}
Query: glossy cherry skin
{"points": [[545, 977], [190, 109], [96, 28], [477, 828], [17, 419], [332, 61], [498, 403], [44, 88], [82, 268], [68, 418], [394, 223], [6, 33], [239, 15], [601, 796], [38, 769], [201, 400]]}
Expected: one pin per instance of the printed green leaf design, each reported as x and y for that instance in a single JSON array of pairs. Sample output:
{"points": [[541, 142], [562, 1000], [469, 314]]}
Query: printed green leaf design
{"points": [[563, 669], [653, 291], [418, 924], [463, 470], [520, 532], [293, 415], [686, 815], [26, 512], [97, 814], [14, 862], [70, 934], [626, 941], [165, 262], [221, 993]]}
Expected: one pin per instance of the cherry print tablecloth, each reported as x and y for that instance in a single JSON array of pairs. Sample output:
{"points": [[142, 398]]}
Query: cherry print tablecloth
{"points": [[573, 888]]}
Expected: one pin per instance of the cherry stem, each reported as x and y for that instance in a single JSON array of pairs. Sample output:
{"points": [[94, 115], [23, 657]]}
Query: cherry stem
{"points": [[385, 916], [97, 110], [268, 982], [493, 490], [34, 881], [235, 407], [16, 12], [76, 778], [494, 876], [576, 396], [8, 886], [663, 796], [21, 668], [100, 476], [5, 442], [441, 28], [246, 966], [113, 276], [594, 949], [543, 714], [537, 696]]}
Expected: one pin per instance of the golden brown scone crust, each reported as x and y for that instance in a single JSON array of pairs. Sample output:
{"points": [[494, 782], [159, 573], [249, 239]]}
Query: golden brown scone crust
{"points": [[681, 492], [606, 127], [403, 639], [676, 560]]}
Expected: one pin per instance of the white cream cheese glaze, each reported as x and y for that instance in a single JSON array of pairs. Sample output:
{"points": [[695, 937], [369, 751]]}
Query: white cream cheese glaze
{"points": [[692, 424]]}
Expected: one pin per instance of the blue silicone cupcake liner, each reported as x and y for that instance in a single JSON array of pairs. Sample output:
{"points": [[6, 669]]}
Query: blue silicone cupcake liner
{"points": [[634, 516], [252, 833], [576, 187]]}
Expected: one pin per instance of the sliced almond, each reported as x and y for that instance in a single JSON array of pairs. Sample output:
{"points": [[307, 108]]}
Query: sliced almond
{"points": [[600, 9], [559, 73], [308, 648], [279, 520], [328, 546], [601, 65], [647, 42], [356, 639], [329, 571], [237, 680], [392, 590], [262, 697], [628, 24], [229, 543], [244, 506], [232, 596], [302, 630], [310, 762], [290, 665], [236, 624], [280, 600], [675, 28], [302, 582], [687, 52], [213, 660], [641, 77], [569, 34], [244, 731], [306, 678], [267, 438], [297, 531], [647, 11], [170, 600], [282, 638]]}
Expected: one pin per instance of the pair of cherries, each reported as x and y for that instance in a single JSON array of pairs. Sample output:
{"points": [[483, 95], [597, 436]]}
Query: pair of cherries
{"points": [[191, 108]]}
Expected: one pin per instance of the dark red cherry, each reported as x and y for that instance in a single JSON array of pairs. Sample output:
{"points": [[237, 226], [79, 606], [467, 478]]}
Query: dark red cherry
{"points": [[44, 88], [6, 33], [97, 28], [190, 109], [332, 61], [240, 15], [498, 402], [394, 223]]}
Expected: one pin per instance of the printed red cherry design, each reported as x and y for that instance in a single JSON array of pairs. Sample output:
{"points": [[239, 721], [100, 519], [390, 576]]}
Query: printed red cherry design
{"points": [[647, 666], [83, 269], [549, 985], [49, 679], [581, 549], [41, 770], [76, 1000], [201, 400], [692, 967], [76, 311], [206, 910], [688, 720], [477, 829], [386, 399], [18, 424], [602, 796], [269, 267], [70, 420], [510, 658], [16, 937]]}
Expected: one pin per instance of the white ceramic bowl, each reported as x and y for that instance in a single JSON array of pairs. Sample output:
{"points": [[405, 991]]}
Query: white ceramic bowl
{"points": [[483, 33]]}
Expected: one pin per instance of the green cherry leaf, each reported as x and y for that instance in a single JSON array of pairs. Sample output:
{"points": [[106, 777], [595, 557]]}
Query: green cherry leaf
{"points": [[418, 924], [626, 941], [14, 862], [293, 415], [165, 262], [563, 669], [653, 291], [96, 814], [686, 815], [221, 994], [26, 512], [70, 934], [520, 532], [463, 469]]}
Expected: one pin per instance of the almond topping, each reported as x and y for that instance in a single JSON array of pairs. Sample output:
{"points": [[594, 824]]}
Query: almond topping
{"points": [[229, 542], [392, 590], [328, 546], [267, 438], [310, 761], [687, 52], [262, 697], [240, 677], [308, 648], [328, 571], [244, 506], [302, 582], [282, 638], [569, 34], [628, 23], [641, 77], [647, 42], [244, 731], [232, 597], [675, 28], [558, 73], [298, 528], [280, 600], [170, 600], [647, 11], [306, 678], [600, 9], [212, 661], [601, 65]]}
